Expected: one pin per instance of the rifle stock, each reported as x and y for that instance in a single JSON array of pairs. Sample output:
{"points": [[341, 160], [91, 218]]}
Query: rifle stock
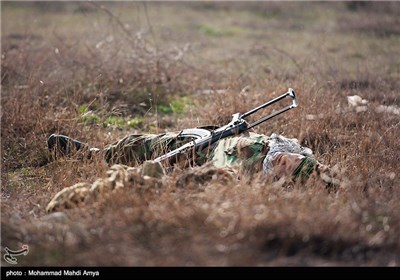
{"points": [[237, 125]]}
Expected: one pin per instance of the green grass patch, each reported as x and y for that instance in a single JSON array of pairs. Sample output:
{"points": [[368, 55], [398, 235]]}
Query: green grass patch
{"points": [[176, 106], [214, 32], [90, 118], [115, 121], [135, 122], [87, 107]]}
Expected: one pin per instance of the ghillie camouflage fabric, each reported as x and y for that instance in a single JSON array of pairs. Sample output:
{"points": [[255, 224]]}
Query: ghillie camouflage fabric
{"points": [[131, 164], [275, 155], [149, 175], [248, 149], [135, 149]]}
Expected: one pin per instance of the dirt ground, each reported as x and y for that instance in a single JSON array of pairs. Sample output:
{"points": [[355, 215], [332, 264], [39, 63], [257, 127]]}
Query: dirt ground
{"points": [[97, 71]]}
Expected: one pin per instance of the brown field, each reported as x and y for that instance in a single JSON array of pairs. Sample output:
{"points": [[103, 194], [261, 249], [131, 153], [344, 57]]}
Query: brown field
{"points": [[98, 71]]}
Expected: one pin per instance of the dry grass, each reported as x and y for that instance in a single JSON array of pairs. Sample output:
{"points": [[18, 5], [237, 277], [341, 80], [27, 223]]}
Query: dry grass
{"points": [[130, 60]]}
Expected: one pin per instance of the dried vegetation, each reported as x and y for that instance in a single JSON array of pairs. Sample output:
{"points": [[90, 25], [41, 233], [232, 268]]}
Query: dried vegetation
{"points": [[98, 71]]}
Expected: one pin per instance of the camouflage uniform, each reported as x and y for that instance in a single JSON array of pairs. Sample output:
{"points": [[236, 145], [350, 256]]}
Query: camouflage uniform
{"points": [[253, 152], [135, 149], [274, 155]]}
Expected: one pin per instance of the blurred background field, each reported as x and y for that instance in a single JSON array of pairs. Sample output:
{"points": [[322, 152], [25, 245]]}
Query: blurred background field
{"points": [[97, 71]]}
